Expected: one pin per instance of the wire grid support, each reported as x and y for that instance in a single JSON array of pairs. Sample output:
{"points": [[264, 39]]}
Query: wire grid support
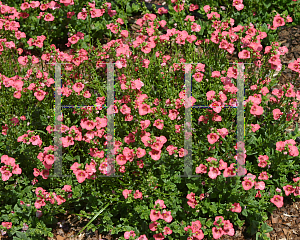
{"points": [[240, 122], [110, 122], [57, 119]]}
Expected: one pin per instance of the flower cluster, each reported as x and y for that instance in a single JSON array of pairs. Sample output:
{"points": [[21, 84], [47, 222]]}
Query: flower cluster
{"points": [[9, 168]]}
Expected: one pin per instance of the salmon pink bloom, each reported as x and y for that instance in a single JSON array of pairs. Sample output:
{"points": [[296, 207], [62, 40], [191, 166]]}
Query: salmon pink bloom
{"points": [[223, 132], [121, 159], [81, 175], [49, 17], [277, 113], [40, 95], [126, 192], [217, 233], [159, 203], [127, 235], [155, 155], [260, 185], [167, 231], [144, 109], [166, 215], [6, 175], [277, 200], [173, 114], [7, 225], [74, 39], [212, 138], [278, 21], [159, 124], [155, 215], [288, 189], [236, 208], [213, 172], [247, 184], [256, 110], [255, 127], [244, 54], [138, 194], [77, 87]]}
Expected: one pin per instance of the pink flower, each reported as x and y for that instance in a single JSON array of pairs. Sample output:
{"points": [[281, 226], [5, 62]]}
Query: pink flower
{"points": [[173, 114], [23, 60], [212, 138], [262, 163], [244, 54], [278, 21], [288, 189], [140, 152], [277, 200], [206, 8], [81, 175], [280, 146], [59, 199], [255, 127], [45, 173], [277, 113], [49, 159], [236, 208], [74, 39], [6, 175], [16, 169], [256, 110], [247, 184], [40, 202], [153, 226], [222, 165], [293, 151], [263, 176], [159, 124], [214, 172], [201, 169], [217, 233], [7, 225], [40, 95], [160, 236], [49, 17], [260, 185], [77, 87], [144, 109], [138, 194], [145, 124], [67, 188], [210, 95], [167, 231], [223, 132], [155, 155], [126, 192], [155, 215], [121, 159], [166, 215], [128, 234]]}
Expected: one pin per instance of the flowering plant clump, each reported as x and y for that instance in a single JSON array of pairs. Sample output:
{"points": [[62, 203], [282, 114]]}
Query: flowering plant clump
{"points": [[145, 194]]}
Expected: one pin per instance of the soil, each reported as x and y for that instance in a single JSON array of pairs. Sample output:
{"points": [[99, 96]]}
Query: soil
{"points": [[285, 221]]}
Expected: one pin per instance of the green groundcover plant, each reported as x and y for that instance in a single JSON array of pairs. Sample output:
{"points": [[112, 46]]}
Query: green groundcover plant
{"points": [[149, 201]]}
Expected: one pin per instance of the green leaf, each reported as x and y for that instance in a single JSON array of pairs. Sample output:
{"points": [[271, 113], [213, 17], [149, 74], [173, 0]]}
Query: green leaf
{"points": [[22, 235], [70, 158], [128, 8], [135, 7], [93, 219], [266, 228], [244, 212], [254, 227]]}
